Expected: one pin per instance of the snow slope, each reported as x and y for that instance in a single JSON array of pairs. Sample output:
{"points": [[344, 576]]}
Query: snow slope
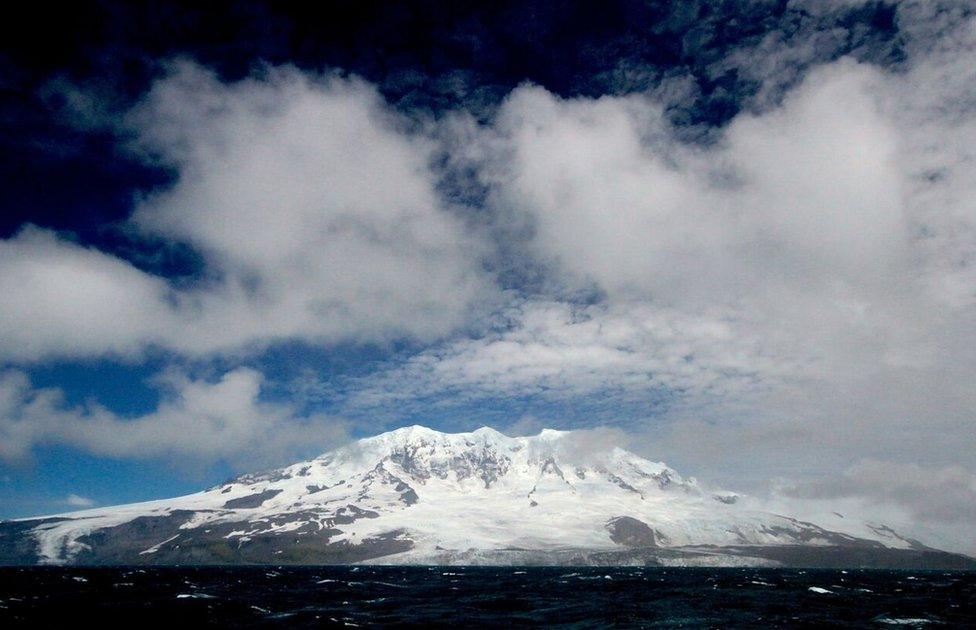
{"points": [[419, 495]]}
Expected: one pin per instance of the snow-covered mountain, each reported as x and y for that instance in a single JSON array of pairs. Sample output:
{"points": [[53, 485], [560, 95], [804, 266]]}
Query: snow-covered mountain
{"points": [[416, 495]]}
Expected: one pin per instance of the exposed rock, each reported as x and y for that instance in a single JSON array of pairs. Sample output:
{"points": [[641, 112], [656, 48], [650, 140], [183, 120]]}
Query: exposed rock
{"points": [[251, 501], [630, 532]]}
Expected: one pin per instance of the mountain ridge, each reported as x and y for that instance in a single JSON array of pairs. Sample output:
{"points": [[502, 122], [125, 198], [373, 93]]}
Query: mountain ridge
{"points": [[419, 496]]}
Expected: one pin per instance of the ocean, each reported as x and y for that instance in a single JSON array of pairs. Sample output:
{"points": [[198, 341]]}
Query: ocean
{"points": [[567, 597]]}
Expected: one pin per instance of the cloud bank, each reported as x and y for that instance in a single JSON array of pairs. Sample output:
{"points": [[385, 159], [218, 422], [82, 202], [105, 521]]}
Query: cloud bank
{"points": [[199, 421]]}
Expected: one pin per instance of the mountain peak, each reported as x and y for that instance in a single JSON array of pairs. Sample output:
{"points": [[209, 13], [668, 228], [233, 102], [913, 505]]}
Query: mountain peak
{"points": [[410, 431], [418, 431], [489, 431]]}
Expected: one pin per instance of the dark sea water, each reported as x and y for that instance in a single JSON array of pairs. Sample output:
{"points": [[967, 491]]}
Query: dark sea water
{"points": [[479, 597]]}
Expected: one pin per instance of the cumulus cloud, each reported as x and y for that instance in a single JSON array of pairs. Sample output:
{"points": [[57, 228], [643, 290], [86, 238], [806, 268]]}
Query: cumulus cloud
{"points": [[808, 192], [63, 298], [312, 205], [196, 420], [598, 183]]}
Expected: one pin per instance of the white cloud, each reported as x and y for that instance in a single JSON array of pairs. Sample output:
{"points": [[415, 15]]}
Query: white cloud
{"points": [[601, 184], [62, 298], [935, 504], [196, 420], [312, 205], [946, 494], [76, 501], [553, 351], [806, 193]]}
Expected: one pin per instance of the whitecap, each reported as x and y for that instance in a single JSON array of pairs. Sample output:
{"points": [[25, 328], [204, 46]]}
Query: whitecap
{"points": [[281, 615]]}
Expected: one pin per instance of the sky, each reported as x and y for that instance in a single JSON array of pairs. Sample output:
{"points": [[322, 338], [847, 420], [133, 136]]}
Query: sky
{"points": [[739, 236]]}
